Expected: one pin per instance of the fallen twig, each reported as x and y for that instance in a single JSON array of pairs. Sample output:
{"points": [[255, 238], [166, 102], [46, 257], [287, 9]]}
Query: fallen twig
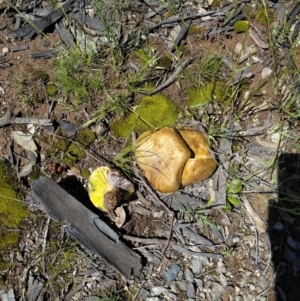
{"points": [[9, 119], [192, 253], [173, 244], [260, 225], [172, 78], [170, 234]]}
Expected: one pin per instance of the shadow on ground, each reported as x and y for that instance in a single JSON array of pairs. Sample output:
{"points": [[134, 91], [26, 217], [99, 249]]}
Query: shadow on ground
{"points": [[284, 229]]}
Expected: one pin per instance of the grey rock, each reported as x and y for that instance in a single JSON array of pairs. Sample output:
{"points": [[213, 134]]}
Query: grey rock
{"points": [[252, 287], [278, 226], [266, 72], [189, 276], [158, 290], [183, 285], [172, 273], [242, 282], [216, 291], [171, 296], [263, 282], [293, 244], [199, 283], [180, 274], [239, 298], [173, 287], [191, 291], [223, 280], [197, 265]]}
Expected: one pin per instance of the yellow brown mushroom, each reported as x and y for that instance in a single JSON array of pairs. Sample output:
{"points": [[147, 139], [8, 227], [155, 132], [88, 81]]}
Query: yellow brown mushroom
{"points": [[173, 158]]}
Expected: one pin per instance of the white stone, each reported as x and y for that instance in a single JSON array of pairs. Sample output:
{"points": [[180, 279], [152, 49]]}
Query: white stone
{"points": [[238, 48], [5, 50], [266, 72]]}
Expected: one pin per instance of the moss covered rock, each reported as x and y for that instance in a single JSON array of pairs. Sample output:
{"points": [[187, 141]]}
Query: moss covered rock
{"points": [[151, 112]]}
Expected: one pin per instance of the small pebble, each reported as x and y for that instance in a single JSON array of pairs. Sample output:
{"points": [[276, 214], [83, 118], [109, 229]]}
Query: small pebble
{"points": [[5, 50], [189, 276], [199, 283], [197, 265], [238, 48], [170, 296], [251, 287], [172, 273], [216, 292], [242, 282], [266, 72], [263, 282], [158, 290], [191, 291], [243, 57], [183, 285], [173, 287], [278, 226], [293, 244], [237, 289], [144, 293], [153, 299], [223, 280]]}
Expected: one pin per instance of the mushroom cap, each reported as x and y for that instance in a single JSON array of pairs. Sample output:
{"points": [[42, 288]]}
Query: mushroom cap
{"points": [[98, 186], [162, 154], [107, 187], [202, 164]]}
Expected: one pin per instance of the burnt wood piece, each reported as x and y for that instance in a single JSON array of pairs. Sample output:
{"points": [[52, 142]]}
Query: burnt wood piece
{"points": [[86, 226], [34, 27]]}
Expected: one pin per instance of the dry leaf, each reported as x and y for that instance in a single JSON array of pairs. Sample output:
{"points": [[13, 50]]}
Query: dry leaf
{"points": [[24, 140]]}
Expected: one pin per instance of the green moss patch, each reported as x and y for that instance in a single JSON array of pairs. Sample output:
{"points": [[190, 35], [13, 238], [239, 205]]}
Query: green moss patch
{"points": [[86, 136], [12, 209], [265, 16], [72, 152], [151, 112], [211, 91], [241, 26], [10, 239], [164, 62]]}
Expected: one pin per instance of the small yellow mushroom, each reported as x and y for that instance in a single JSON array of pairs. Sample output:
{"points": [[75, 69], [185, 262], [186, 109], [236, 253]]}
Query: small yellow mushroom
{"points": [[107, 187], [171, 159], [162, 155]]}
